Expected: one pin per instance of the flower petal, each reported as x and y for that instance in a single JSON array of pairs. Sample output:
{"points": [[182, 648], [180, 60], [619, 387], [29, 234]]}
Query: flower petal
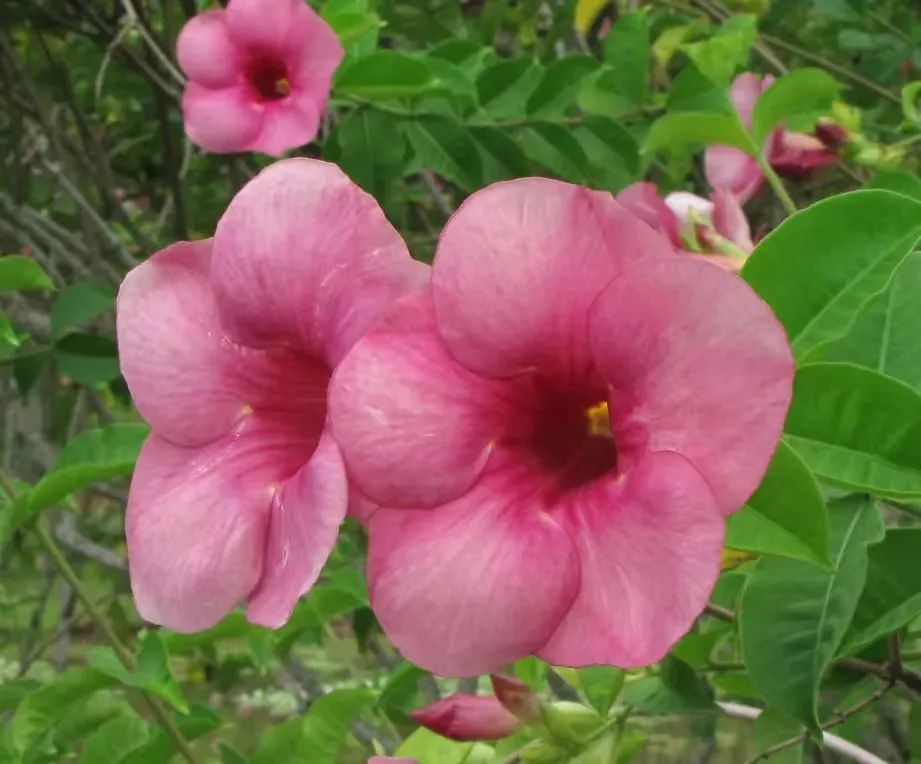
{"points": [[188, 381], [685, 206], [697, 364], [517, 268], [313, 64], [305, 518], [729, 220], [745, 91], [730, 169], [288, 123], [470, 586], [468, 717], [416, 427], [266, 25], [303, 255], [223, 120], [205, 51], [196, 520], [649, 544], [643, 200]]}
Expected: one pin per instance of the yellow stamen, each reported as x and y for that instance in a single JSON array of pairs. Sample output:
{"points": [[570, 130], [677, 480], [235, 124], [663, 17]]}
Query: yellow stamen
{"points": [[282, 86], [247, 410], [599, 420]]}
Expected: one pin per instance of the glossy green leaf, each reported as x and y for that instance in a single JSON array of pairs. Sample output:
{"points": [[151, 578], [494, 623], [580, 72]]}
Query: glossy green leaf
{"points": [[794, 614], [557, 90], [160, 749], [857, 428], [87, 358], [501, 156], [152, 674], [601, 685], [78, 304], [10, 339], [555, 148], [900, 181], [429, 748], [818, 268], [628, 53], [680, 130], [786, 516], [446, 148], [373, 163], [19, 273], [892, 595], [800, 92], [114, 741], [884, 336], [720, 55], [100, 454], [504, 88], [612, 153], [383, 74], [677, 690]]}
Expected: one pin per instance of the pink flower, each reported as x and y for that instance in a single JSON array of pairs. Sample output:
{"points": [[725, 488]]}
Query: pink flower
{"points": [[468, 717], [792, 154], [227, 346], [717, 228], [555, 432], [259, 75]]}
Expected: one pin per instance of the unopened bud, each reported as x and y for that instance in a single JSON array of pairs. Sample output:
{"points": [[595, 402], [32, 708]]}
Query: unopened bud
{"points": [[516, 696], [468, 717]]}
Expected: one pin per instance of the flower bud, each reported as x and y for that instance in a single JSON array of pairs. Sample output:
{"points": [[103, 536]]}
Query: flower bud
{"points": [[468, 717], [516, 696]]}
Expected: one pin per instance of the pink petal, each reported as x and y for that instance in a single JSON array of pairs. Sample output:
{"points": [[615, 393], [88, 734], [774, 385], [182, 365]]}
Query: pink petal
{"points": [[798, 155], [468, 717], [196, 521], [475, 584], [288, 123], [730, 169], [205, 51], [315, 53], [188, 380], [416, 427], [649, 544], [266, 25], [643, 200], [517, 268], [305, 518], [687, 206], [697, 364], [745, 91], [303, 255], [729, 220], [221, 121]]}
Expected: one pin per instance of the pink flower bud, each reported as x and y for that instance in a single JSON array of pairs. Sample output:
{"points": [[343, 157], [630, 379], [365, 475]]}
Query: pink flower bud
{"points": [[516, 696], [831, 134], [468, 717]]}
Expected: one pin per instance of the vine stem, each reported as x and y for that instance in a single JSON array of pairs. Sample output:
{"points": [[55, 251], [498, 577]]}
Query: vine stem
{"points": [[162, 714], [777, 185]]}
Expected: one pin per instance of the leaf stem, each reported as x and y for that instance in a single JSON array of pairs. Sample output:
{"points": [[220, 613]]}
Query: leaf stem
{"points": [[777, 185]]}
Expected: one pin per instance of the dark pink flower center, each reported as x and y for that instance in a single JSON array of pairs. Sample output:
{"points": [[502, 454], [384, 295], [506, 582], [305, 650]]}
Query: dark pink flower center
{"points": [[571, 439], [268, 76]]}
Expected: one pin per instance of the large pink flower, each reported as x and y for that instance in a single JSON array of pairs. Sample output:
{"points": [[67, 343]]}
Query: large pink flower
{"points": [[556, 432], [227, 346], [259, 75], [793, 154]]}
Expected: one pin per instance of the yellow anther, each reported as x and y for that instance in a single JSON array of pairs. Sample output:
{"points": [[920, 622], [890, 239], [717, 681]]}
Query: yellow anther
{"points": [[599, 420], [282, 86], [247, 410]]}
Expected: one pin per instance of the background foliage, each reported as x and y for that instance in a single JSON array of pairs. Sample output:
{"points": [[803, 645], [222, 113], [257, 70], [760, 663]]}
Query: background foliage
{"points": [[816, 617]]}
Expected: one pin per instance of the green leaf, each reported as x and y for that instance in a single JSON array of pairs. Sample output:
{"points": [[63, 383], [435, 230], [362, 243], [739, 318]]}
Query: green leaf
{"points": [[88, 358], [19, 273], [773, 727], [612, 153], [900, 181], [556, 92], [502, 157], [679, 130], [401, 688], [78, 304], [857, 429], [801, 92], [914, 727], [786, 516], [719, 56], [794, 615], [504, 88], [818, 268], [627, 51], [366, 150], [532, 671], [100, 454], [10, 339], [152, 674], [428, 748], [910, 94], [555, 148], [383, 74], [200, 720], [114, 741], [320, 735], [445, 147], [892, 596], [44, 707], [677, 690], [884, 336], [601, 685]]}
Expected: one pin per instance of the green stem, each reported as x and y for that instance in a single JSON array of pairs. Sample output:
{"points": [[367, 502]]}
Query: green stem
{"points": [[164, 717], [777, 185]]}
